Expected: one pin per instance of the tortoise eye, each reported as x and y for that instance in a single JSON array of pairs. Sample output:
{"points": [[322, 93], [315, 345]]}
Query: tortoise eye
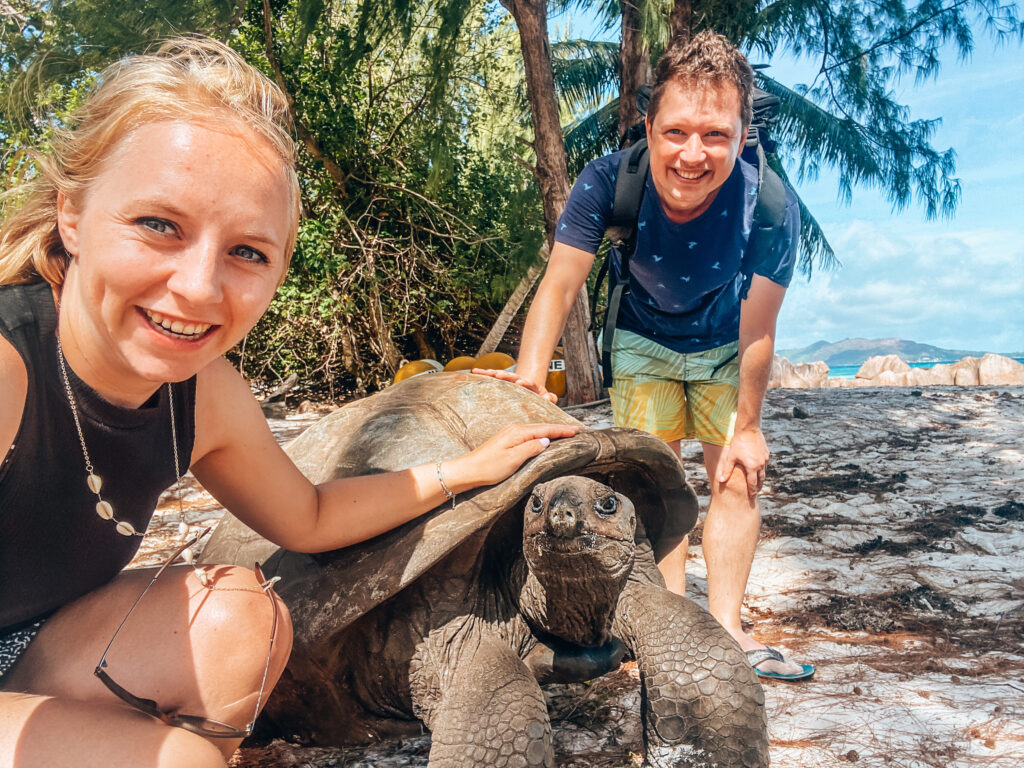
{"points": [[536, 504], [609, 505]]}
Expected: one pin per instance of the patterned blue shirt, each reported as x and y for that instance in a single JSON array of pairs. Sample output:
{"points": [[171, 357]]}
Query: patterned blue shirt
{"points": [[686, 284]]}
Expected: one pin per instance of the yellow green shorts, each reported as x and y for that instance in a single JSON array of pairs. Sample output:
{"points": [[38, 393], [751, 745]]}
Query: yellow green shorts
{"points": [[674, 395]]}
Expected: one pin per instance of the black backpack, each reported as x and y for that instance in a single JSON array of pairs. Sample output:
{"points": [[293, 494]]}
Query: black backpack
{"points": [[621, 231]]}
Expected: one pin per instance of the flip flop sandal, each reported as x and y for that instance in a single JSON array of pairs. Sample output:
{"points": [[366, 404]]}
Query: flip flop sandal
{"points": [[761, 655]]}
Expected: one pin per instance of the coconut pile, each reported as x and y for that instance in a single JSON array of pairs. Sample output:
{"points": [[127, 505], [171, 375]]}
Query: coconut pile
{"points": [[891, 557]]}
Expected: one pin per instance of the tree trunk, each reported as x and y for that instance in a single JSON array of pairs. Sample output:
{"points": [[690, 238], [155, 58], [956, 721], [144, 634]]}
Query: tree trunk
{"points": [[634, 66], [515, 301], [681, 19], [582, 382]]}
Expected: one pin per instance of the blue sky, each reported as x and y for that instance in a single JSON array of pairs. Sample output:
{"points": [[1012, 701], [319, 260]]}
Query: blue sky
{"points": [[955, 283]]}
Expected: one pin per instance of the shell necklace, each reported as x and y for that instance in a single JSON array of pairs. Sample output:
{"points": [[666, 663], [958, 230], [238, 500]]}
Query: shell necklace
{"points": [[103, 507]]}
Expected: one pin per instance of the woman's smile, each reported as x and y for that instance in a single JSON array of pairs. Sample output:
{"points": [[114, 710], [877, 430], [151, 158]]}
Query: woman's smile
{"points": [[176, 328]]}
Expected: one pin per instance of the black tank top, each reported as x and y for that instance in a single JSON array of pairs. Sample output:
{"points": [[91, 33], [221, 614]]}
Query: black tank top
{"points": [[53, 546]]}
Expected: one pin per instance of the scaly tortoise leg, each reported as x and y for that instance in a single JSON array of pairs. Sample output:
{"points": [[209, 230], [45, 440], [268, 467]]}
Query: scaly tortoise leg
{"points": [[490, 713], [702, 703]]}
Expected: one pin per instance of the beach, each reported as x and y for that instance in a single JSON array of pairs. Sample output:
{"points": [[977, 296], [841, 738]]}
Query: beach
{"points": [[891, 557]]}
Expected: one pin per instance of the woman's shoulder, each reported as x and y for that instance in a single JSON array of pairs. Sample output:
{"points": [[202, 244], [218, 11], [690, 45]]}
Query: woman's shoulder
{"points": [[225, 406], [13, 390]]}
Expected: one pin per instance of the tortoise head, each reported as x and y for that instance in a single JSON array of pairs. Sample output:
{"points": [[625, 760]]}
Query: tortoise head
{"points": [[578, 547]]}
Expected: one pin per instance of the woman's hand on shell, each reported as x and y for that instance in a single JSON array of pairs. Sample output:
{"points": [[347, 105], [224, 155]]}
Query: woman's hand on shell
{"points": [[502, 455]]}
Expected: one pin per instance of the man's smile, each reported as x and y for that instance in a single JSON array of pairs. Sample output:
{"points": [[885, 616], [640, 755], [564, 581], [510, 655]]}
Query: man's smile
{"points": [[689, 175]]}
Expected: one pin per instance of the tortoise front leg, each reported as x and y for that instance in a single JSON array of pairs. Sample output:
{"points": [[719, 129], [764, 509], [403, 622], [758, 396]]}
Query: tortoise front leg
{"points": [[702, 703], [489, 711]]}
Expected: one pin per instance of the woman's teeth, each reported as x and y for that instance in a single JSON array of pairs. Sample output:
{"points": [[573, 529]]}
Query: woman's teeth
{"points": [[177, 327]]}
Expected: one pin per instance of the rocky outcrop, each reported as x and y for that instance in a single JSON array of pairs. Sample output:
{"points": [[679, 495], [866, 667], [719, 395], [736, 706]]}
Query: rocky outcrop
{"points": [[938, 375], [890, 378], [892, 371], [996, 370], [965, 372], [786, 375], [874, 366]]}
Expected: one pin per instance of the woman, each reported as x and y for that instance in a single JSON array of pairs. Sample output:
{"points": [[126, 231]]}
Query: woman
{"points": [[151, 242]]}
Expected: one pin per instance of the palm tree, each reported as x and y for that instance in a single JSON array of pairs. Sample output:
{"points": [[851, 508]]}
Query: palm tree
{"points": [[846, 119]]}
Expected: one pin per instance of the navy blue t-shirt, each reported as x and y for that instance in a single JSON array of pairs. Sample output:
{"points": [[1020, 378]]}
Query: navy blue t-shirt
{"points": [[685, 279]]}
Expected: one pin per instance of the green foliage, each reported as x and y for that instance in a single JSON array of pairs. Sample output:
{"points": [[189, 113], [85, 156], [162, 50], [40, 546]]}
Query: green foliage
{"points": [[417, 217], [420, 215], [48, 51], [416, 224]]}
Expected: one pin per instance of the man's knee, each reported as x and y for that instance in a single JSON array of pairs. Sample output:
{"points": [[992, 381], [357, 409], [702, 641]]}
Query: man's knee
{"points": [[734, 494]]}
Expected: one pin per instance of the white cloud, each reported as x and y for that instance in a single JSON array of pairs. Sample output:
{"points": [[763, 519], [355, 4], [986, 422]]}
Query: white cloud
{"points": [[960, 289]]}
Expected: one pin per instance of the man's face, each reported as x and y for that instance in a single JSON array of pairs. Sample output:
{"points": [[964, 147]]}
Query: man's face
{"points": [[693, 143]]}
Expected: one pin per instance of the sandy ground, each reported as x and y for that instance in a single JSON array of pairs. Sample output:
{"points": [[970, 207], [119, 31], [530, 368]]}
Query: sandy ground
{"points": [[891, 557]]}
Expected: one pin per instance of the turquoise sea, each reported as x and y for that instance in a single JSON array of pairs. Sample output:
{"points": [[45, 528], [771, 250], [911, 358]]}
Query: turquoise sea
{"points": [[849, 371]]}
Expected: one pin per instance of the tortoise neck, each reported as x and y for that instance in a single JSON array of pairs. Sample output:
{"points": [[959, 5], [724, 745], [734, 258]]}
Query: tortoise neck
{"points": [[577, 606]]}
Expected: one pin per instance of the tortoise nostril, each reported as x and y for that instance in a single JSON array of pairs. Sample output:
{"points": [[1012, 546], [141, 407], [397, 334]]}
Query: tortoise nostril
{"points": [[562, 520]]}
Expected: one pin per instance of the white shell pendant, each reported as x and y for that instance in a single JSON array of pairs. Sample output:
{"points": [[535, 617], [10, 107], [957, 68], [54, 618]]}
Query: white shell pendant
{"points": [[182, 529], [95, 482], [125, 529], [188, 556], [104, 510]]}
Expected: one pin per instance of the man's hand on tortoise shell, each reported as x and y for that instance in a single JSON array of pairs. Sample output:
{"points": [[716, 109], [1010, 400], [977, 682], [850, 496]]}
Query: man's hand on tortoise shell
{"points": [[515, 378]]}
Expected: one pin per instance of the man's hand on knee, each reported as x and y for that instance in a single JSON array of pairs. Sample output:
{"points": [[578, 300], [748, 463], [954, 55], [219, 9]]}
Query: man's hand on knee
{"points": [[748, 451]]}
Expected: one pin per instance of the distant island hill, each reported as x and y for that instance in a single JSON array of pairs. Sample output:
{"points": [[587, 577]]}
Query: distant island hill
{"points": [[855, 352], [892, 362]]}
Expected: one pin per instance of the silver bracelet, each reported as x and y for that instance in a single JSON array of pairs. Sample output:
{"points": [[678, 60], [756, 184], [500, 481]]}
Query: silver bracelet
{"points": [[444, 487]]}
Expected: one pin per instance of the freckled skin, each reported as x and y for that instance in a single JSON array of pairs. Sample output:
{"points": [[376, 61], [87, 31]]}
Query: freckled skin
{"points": [[186, 219]]}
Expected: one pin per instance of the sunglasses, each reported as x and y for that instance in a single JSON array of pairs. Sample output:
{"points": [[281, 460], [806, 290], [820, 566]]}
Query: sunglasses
{"points": [[203, 726]]}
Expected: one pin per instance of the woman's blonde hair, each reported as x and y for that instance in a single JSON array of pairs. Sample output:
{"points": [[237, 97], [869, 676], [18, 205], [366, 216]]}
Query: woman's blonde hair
{"points": [[186, 78]]}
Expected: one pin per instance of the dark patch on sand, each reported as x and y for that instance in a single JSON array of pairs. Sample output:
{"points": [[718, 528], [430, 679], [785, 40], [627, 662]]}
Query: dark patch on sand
{"points": [[803, 528], [851, 482], [1011, 510], [945, 523], [923, 610], [902, 609], [889, 547]]}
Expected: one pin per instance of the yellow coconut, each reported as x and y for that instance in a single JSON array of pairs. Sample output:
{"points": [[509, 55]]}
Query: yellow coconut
{"points": [[461, 363], [417, 368], [497, 361], [556, 375]]}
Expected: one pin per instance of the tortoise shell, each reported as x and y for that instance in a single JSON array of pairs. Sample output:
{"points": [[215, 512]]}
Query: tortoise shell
{"points": [[434, 418]]}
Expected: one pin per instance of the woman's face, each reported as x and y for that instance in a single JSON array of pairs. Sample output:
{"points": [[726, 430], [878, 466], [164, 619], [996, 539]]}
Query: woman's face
{"points": [[178, 246]]}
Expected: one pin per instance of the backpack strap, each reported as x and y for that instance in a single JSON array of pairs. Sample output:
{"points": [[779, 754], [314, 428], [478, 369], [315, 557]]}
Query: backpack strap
{"points": [[629, 193], [769, 216], [621, 232]]}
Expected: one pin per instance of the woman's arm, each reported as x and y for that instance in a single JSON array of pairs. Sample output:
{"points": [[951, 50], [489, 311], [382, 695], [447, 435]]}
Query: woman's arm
{"points": [[238, 460], [13, 390]]}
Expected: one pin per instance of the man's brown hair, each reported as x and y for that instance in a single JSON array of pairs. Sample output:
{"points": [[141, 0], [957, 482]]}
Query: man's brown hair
{"points": [[708, 59]]}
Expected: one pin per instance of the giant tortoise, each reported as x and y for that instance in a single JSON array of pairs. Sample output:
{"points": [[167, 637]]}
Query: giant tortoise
{"points": [[454, 621]]}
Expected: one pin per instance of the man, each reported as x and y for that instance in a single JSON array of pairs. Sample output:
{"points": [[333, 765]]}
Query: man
{"points": [[695, 338]]}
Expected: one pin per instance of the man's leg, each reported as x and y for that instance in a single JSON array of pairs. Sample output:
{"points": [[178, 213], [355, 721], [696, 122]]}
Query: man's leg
{"points": [[673, 565], [648, 394], [728, 542]]}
